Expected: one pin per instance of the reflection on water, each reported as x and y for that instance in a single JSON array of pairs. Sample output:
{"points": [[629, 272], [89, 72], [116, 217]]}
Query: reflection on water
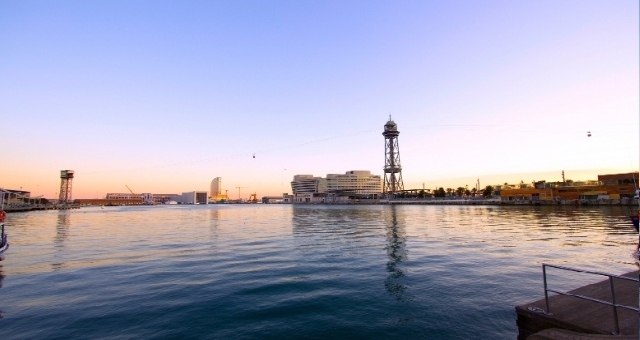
{"points": [[214, 220], [62, 228], [269, 271], [397, 253], [62, 231]]}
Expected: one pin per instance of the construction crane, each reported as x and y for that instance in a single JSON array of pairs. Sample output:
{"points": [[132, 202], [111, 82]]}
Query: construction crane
{"points": [[139, 196], [146, 198], [239, 191]]}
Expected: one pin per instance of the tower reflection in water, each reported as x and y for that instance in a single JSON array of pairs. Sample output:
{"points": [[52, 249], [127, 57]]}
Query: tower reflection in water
{"points": [[397, 253], [62, 232]]}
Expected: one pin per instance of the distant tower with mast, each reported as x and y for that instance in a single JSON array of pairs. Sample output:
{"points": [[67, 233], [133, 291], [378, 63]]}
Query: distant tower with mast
{"points": [[66, 180], [392, 168]]}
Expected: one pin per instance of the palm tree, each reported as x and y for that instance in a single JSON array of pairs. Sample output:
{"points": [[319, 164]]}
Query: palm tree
{"points": [[488, 191]]}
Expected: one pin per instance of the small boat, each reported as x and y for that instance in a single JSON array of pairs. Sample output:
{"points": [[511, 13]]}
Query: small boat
{"points": [[4, 243]]}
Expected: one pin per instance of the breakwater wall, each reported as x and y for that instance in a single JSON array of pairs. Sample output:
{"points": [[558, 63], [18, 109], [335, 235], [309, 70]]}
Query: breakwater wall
{"points": [[475, 201], [608, 202], [13, 208]]}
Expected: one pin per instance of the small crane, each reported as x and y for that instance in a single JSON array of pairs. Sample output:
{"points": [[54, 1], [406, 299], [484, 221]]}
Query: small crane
{"points": [[131, 191]]}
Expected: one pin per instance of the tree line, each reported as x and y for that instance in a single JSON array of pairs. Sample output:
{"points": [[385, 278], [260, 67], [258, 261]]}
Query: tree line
{"points": [[441, 192]]}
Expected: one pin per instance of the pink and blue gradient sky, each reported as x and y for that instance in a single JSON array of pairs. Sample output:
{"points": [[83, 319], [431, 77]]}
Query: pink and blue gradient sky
{"points": [[163, 96]]}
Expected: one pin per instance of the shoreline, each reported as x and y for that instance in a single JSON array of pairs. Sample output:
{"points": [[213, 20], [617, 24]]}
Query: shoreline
{"points": [[631, 202], [491, 202]]}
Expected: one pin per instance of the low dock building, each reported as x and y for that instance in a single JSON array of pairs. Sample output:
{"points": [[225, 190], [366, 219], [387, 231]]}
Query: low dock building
{"points": [[607, 187]]}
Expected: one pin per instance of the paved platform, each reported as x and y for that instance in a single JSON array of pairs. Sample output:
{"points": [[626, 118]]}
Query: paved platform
{"points": [[583, 316], [563, 334]]}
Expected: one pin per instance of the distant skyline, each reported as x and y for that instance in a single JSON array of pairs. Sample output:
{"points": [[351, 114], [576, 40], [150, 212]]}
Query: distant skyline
{"points": [[164, 96]]}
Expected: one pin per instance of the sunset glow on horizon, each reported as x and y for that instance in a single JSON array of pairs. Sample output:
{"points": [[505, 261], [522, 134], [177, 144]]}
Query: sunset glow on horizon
{"points": [[164, 96]]}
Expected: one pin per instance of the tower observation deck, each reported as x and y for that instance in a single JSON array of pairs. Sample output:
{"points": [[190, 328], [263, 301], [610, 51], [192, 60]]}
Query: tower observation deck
{"points": [[392, 168]]}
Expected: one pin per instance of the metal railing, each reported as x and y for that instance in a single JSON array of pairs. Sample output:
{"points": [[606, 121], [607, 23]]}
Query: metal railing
{"points": [[613, 303]]}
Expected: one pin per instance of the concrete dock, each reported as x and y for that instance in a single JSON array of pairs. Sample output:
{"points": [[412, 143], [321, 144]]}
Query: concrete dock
{"points": [[584, 316], [34, 207]]}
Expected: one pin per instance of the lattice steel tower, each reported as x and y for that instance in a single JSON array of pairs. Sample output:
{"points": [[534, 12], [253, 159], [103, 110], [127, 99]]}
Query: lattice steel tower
{"points": [[66, 179], [392, 168]]}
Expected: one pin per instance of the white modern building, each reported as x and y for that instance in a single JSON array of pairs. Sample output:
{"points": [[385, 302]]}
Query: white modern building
{"points": [[308, 184], [359, 182], [193, 197], [336, 187]]}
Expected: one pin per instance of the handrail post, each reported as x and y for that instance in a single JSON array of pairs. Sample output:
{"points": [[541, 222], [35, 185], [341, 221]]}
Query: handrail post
{"points": [[615, 309], [546, 293]]}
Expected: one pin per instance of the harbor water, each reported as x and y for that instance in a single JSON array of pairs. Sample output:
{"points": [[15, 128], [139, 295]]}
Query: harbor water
{"points": [[296, 271]]}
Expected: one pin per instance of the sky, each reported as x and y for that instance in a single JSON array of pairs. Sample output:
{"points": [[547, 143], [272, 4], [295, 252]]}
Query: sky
{"points": [[164, 96]]}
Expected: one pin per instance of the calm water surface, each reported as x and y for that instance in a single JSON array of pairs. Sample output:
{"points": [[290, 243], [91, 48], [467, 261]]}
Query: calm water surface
{"points": [[274, 271]]}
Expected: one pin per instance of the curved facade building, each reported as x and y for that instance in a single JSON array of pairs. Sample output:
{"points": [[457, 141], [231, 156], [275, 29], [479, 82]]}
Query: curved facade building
{"points": [[215, 192], [216, 187], [307, 184]]}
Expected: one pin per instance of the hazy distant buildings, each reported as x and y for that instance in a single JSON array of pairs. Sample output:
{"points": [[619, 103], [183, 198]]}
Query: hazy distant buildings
{"points": [[336, 187], [275, 199], [216, 186], [216, 190], [193, 197], [145, 198]]}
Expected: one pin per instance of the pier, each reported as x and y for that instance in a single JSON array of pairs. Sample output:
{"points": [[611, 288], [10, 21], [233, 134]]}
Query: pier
{"points": [[608, 307], [13, 208]]}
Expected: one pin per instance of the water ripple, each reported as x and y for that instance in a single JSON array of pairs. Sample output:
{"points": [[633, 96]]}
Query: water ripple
{"points": [[274, 271]]}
